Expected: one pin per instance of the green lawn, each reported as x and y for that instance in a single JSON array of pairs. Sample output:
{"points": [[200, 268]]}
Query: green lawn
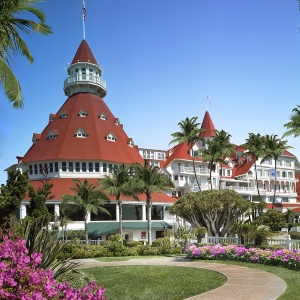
{"points": [[124, 258], [292, 278], [155, 282]]}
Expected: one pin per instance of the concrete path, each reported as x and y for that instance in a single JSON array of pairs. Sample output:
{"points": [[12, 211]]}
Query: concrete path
{"points": [[242, 283]]}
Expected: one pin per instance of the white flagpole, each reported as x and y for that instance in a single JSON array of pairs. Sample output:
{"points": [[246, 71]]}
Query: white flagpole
{"points": [[83, 18]]}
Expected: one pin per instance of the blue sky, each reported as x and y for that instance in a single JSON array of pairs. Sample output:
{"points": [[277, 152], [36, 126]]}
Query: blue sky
{"points": [[159, 59]]}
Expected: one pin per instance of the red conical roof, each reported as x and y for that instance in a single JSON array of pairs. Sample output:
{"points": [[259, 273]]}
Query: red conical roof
{"points": [[207, 124], [67, 146], [84, 54]]}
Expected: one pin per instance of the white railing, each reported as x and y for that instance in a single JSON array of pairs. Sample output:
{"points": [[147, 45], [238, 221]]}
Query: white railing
{"points": [[90, 242], [191, 170], [286, 242], [95, 79], [238, 188]]}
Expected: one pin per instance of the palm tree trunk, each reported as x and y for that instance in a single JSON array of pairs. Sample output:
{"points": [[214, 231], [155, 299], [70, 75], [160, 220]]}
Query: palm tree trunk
{"points": [[195, 170], [210, 175], [256, 180], [149, 207], [220, 181], [86, 230], [274, 185], [120, 219]]}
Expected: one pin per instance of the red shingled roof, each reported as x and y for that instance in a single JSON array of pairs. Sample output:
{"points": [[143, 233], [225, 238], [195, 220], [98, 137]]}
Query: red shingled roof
{"points": [[95, 147], [84, 54], [180, 151], [62, 186], [207, 124]]}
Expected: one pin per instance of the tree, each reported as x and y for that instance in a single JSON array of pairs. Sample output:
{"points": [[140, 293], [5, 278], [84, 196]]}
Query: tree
{"points": [[255, 147], [212, 155], [271, 218], [121, 184], [189, 133], [222, 139], [12, 194], [215, 210], [39, 215], [289, 215], [11, 42], [86, 199], [152, 181], [293, 126], [273, 148]]}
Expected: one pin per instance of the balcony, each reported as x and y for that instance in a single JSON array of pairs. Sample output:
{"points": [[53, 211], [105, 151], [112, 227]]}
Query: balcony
{"points": [[190, 170]]}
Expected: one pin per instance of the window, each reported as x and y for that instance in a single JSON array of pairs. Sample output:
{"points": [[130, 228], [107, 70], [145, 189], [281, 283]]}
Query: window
{"points": [[97, 168], [51, 167], [181, 177], [64, 166], [77, 167], [291, 175], [81, 134], [91, 71], [104, 167], [41, 169], [82, 113], [71, 166], [111, 137], [103, 116], [52, 136], [110, 168], [284, 174], [228, 172], [287, 163], [63, 114], [56, 166], [175, 177], [285, 199], [160, 155], [143, 235], [259, 172], [196, 153], [266, 173], [83, 72], [30, 169], [91, 168], [83, 167]]}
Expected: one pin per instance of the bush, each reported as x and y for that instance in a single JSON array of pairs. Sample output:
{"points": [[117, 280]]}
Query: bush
{"points": [[295, 235], [162, 242], [131, 243]]}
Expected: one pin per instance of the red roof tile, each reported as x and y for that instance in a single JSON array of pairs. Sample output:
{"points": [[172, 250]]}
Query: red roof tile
{"points": [[84, 54], [207, 124], [61, 186], [287, 153], [95, 147]]}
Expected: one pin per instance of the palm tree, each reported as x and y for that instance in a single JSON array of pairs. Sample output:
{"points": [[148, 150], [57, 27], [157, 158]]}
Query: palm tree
{"points": [[153, 181], [189, 133], [213, 156], [294, 125], [11, 43], [255, 147], [119, 185], [222, 138], [86, 199], [273, 148]]}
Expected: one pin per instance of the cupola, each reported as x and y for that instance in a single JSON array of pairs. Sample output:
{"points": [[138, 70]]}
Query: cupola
{"points": [[84, 74]]}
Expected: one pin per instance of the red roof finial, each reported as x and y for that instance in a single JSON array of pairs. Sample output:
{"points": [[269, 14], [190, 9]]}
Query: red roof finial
{"points": [[84, 54]]}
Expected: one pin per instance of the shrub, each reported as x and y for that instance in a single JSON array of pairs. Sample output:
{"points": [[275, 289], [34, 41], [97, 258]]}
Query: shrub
{"points": [[131, 243], [295, 235]]}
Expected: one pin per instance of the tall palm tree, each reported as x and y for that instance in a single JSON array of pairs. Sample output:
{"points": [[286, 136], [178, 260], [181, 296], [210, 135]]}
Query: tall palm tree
{"points": [[153, 181], [11, 42], [120, 184], [294, 125], [86, 198], [189, 133], [222, 139], [255, 147], [273, 148], [213, 156]]}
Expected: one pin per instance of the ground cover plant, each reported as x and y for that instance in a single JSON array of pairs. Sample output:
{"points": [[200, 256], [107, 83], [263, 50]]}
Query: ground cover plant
{"points": [[155, 282], [283, 257]]}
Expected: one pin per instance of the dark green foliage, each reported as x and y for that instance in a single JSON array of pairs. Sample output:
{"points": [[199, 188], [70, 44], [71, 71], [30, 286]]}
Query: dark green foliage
{"points": [[214, 210], [131, 243], [12, 194], [38, 212], [271, 218], [295, 235]]}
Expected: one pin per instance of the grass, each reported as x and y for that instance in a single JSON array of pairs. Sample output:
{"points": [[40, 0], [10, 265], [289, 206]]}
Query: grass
{"points": [[155, 282], [291, 277]]}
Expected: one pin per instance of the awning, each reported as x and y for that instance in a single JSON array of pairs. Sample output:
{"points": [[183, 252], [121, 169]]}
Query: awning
{"points": [[96, 229]]}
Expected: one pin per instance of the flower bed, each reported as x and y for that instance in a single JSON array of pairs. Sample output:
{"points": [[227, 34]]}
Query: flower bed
{"points": [[20, 278], [284, 258]]}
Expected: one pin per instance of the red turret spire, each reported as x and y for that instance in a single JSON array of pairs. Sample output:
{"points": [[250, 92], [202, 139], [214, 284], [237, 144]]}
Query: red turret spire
{"points": [[207, 124]]}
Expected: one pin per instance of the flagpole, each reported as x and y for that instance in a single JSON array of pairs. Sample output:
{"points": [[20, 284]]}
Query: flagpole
{"points": [[83, 18]]}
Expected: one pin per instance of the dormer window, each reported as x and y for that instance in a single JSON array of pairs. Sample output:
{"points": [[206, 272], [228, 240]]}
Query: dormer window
{"points": [[103, 116], [82, 113], [111, 137], [36, 137], [117, 121], [81, 133], [130, 143], [52, 134], [51, 117], [63, 114]]}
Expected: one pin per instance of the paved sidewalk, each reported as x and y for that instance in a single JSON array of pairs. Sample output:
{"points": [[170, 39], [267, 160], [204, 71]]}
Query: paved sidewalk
{"points": [[242, 283]]}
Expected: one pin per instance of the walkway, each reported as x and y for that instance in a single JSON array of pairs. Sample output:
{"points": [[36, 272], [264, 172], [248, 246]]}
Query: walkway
{"points": [[242, 283]]}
